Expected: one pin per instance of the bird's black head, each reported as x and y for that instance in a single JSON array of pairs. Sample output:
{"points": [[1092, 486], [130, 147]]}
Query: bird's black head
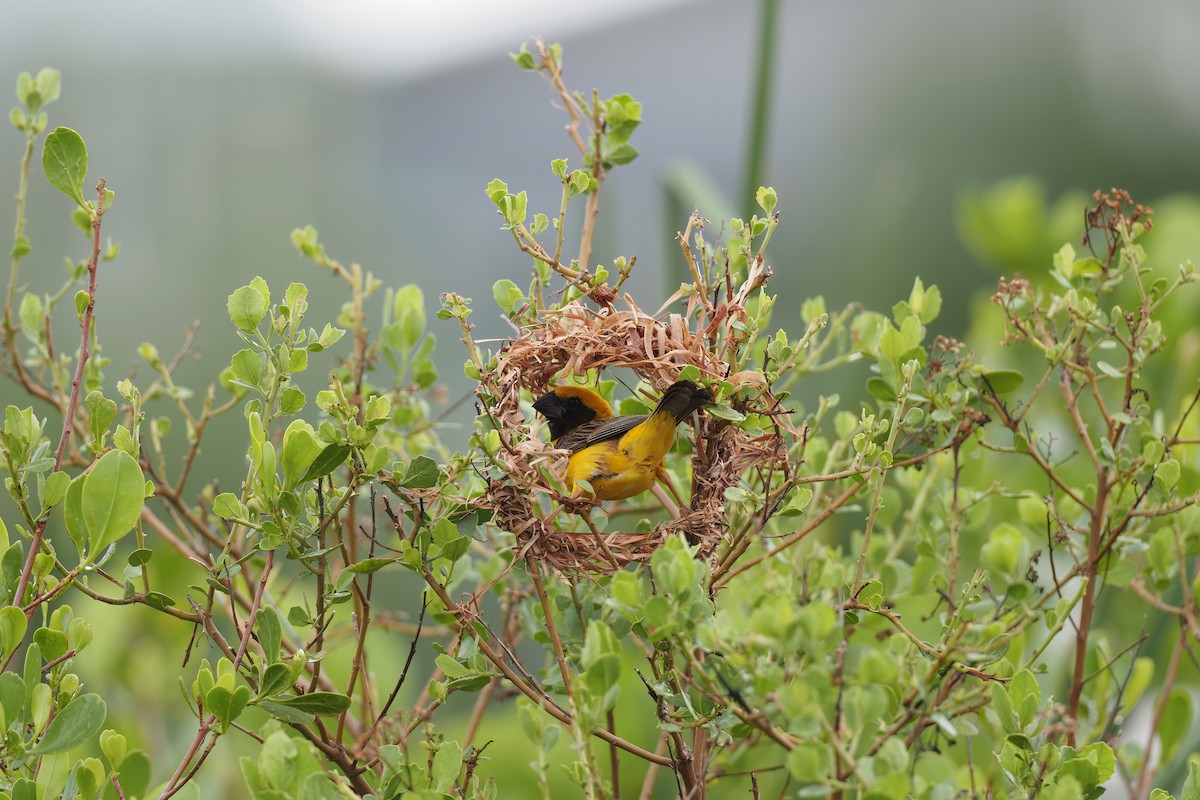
{"points": [[563, 413]]}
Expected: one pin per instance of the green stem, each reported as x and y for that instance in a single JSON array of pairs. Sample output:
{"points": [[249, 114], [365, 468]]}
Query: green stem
{"points": [[18, 230]]}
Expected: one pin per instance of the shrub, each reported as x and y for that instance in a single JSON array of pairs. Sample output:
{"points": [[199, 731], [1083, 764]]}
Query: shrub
{"points": [[964, 580]]}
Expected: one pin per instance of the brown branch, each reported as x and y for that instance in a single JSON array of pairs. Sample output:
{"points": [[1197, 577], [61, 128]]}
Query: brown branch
{"points": [[85, 326], [535, 694], [1142, 788]]}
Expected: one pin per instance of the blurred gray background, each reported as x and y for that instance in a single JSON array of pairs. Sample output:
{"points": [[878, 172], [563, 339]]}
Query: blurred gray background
{"points": [[223, 126]]}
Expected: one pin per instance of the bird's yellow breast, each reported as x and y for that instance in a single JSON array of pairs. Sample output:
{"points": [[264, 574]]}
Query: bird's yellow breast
{"points": [[627, 466]]}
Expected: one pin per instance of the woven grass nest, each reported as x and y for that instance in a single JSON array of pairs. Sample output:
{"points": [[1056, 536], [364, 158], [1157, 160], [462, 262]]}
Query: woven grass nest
{"points": [[571, 341]]}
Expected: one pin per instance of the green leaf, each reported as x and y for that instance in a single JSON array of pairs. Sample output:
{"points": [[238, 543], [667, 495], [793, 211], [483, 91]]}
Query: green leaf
{"points": [[13, 625], [408, 308], [798, 500], [75, 724], [446, 763], [871, 594], [49, 84], [21, 246], [73, 512], [724, 412], [114, 746], [300, 451], [246, 307], [766, 198], [226, 505], [32, 314], [332, 457], [65, 162], [225, 704], [113, 494], [422, 473], [881, 388], [247, 367], [292, 400], [276, 678], [283, 712], [319, 703], [507, 295], [52, 642], [270, 632], [1002, 381], [369, 565], [101, 413], [55, 489], [12, 694], [159, 601], [1176, 722], [1191, 786], [496, 191], [451, 667], [1002, 706]]}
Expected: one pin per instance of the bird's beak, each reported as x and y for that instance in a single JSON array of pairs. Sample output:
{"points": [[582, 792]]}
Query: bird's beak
{"points": [[547, 405]]}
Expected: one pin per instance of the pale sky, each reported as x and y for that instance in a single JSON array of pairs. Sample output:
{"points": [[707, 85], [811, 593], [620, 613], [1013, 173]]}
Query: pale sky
{"points": [[404, 39]]}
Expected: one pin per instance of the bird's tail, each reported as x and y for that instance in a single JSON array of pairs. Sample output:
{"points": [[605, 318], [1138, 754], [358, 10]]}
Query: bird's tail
{"points": [[682, 398]]}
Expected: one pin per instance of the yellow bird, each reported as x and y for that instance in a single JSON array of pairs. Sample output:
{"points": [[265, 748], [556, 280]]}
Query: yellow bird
{"points": [[618, 456]]}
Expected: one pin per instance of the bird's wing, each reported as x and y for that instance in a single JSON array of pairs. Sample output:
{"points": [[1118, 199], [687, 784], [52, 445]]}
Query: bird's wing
{"points": [[600, 430]]}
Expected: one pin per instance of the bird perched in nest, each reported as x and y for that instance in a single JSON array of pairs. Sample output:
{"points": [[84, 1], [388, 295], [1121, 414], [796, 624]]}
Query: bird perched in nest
{"points": [[618, 456]]}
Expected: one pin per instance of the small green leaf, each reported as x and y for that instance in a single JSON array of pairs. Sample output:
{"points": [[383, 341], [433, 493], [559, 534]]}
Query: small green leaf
{"points": [[73, 512], [113, 494], [724, 412], [101, 413], [332, 457], [49, 84], [292, 400], [319, 703], [21, 246], [65, 162], [300, 451], [1191, 786], [446, 764], [75, 724], [270, 632], [507, 295], [227, 506], [276, 678], [408, 308], [767, 198], [881, 388], [1002, 381], [1176, 722], [369, 565], [246, 307], [158, 600], [12, 629], [283, 712], [797, 501], [55, 490], [114, 746], [871, 594], [422, 473]]}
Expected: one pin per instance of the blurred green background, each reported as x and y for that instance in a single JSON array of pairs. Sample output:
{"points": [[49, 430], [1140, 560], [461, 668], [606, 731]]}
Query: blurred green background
{"points": [[224, 125]]}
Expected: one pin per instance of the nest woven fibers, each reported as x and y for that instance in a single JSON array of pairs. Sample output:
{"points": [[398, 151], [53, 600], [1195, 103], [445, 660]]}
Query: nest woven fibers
{"points": [[528, 499]]}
